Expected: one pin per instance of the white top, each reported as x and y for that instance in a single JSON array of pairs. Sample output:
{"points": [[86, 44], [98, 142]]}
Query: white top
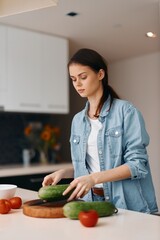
{"points": [[126, 225], [92, 150]]}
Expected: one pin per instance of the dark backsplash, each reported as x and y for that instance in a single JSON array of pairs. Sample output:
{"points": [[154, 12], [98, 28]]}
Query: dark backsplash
{"points": [[13, 141]]}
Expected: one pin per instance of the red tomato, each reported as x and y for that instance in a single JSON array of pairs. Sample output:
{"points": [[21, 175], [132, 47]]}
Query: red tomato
{"points": [[16, 202], [5, 206], [88, 218]]}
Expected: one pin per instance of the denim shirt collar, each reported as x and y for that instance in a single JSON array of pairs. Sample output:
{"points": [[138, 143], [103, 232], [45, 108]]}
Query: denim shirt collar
{"points": [[104, 111]]}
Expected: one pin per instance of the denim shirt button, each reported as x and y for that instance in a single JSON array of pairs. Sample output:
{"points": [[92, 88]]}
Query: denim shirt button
{"points": [[107, 198], [100, 152], [74, 140]]}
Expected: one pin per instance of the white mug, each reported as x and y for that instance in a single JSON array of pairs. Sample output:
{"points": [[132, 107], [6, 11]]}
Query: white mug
{"points": [[27, 155]]}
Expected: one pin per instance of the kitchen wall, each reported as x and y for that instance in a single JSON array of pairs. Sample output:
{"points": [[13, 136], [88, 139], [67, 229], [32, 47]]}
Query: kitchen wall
{"points": [[138, 80]]}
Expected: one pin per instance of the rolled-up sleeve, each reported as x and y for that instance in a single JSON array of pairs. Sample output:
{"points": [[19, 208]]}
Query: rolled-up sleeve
{"points": [[135, 141]]}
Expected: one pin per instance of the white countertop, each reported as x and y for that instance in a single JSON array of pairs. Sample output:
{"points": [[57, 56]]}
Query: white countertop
{"points": [[126, 225], [16, 170]]}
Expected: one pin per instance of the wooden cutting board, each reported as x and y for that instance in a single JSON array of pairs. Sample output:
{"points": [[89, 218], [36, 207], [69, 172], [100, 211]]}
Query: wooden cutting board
{"points": [[41, 209]]}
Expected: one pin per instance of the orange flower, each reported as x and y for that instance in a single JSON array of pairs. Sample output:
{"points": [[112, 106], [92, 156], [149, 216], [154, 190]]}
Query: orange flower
{"points": [[43, 137], [27, 130], [46, 135], [56, 146], [48, 127], [56, 131]]}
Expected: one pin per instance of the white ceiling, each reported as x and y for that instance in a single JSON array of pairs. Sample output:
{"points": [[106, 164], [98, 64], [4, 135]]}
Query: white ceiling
{"points": [[115, 28]]}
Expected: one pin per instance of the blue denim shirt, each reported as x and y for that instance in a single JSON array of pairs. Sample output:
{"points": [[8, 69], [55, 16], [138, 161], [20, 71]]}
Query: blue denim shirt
{"points": [[122, 140]]}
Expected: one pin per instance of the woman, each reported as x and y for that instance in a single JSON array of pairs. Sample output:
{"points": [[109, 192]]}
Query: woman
{"points": [[108, 142]]}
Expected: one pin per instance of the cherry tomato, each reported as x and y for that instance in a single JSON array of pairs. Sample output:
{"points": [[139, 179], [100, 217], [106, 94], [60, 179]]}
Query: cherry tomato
{"points": [[5, 206], [88, 218], [16, 202]]}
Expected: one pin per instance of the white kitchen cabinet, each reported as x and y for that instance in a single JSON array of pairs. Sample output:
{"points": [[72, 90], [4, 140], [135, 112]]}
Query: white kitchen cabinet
{"points": [[36, 72], [24, 70], [3, 65], [55, 75]]}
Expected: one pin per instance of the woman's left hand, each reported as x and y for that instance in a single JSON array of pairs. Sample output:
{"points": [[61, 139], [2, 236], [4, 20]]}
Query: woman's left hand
{"points": [[82, 186]]}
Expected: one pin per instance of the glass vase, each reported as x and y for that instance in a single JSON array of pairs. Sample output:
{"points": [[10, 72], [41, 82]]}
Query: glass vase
{"points": [[43, 157]]}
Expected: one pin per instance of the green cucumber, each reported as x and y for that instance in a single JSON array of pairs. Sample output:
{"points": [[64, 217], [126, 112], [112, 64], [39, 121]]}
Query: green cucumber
{"points": [[54, 193], [72, 209]]}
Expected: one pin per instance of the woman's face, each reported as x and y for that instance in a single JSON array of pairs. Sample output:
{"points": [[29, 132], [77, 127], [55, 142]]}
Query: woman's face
{"points": [[86, 82]]}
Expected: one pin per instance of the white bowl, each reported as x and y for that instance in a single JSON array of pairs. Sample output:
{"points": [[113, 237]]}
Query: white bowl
{"points": [[7, 191]]}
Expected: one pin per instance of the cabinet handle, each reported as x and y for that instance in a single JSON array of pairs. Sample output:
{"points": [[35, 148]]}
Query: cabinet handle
{"points": [[37, 105], [56, 106], [1, 108]]}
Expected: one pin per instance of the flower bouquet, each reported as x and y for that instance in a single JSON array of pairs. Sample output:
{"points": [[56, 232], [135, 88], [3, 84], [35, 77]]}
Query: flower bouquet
{"points": [[43, 138]]}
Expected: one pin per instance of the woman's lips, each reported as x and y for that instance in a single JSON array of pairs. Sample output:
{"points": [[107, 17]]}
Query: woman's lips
{"points": [[80, 90]]}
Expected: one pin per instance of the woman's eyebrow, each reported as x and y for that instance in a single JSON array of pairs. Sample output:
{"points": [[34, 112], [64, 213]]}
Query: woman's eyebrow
{"points": [[79, 74]]}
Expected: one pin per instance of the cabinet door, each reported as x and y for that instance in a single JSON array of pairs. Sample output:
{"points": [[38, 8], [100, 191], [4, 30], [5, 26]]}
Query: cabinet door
{"points": [[37, 72], [55, 77], [24, 70], [3, 66]]}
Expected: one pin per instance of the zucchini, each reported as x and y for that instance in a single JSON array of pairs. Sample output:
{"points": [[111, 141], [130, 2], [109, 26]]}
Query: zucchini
{"points": [[54, 193], [72, 209]]}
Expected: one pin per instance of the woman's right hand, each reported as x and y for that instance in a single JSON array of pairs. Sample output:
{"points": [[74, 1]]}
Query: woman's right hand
{"points": [[55, 177]]}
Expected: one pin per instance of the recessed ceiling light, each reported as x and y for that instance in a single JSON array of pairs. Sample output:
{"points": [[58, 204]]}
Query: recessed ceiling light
{"points": [[151, 35], [72, 14]]}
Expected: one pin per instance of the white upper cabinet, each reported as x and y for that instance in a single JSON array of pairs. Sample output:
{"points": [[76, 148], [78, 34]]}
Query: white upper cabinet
{"points": [[36, 72], [55, 85], [24, 70]]}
